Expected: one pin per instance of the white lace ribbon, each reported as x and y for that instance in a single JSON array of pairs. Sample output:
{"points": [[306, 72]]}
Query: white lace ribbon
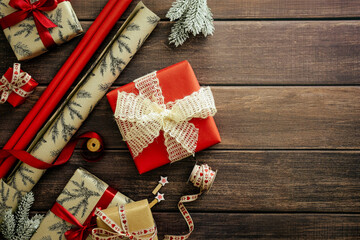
{"points": [[141, 117], [18, 80]]}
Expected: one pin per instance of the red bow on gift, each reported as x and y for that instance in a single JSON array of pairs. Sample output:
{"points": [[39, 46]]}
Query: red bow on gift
{"points": [[27, 9], [77, 233]]}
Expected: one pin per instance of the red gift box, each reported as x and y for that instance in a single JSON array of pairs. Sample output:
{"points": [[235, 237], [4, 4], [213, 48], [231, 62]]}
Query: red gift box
{"points": [[14, 99], [176, 82]]}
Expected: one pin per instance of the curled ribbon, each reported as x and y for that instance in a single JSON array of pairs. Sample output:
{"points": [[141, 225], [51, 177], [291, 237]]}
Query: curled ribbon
{"points": [[202, 177], [141, 117], [120, 232], [18, 80], [26, 9]]}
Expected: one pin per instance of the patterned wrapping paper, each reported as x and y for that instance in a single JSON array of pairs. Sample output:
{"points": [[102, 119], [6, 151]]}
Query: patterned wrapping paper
{"points": [[24, 38], [87, 93], [79, 197], [9, 197]]}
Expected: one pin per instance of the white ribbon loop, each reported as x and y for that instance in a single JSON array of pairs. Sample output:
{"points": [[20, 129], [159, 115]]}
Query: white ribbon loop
{"points": [[141, 117], [19, 79]]}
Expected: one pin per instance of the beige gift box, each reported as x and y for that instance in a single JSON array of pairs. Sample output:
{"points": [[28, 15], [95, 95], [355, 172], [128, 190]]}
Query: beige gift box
{"points": [[138, 215], [24, 37]]}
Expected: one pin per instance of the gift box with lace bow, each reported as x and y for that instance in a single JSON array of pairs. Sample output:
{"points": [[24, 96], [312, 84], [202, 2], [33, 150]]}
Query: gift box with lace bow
{"points": [[165, 116]]}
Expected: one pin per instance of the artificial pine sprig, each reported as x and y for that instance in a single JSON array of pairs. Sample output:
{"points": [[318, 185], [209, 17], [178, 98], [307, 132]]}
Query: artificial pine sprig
{"points": [[18, 226], [194, 16]]}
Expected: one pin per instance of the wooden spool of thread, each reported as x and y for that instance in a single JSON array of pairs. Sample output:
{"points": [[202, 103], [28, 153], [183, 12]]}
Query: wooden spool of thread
{"points": [[92, 150], [93, 145]]}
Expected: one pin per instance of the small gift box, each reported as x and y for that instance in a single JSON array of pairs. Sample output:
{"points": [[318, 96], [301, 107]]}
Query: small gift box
{"points": [[133, 220], [72, 216], [15, 86], [165, 116], [32, 27]]}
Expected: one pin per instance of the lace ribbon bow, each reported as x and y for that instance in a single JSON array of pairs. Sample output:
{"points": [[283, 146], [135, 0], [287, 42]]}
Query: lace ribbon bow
{"points": [[141, 117], [18, 80]]}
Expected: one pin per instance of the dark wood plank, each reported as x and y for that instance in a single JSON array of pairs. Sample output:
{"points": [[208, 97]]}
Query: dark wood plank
{"points": [[263, 226], [240, 53], [234, 9], [260, 226], [250, 118], [259, 181]]}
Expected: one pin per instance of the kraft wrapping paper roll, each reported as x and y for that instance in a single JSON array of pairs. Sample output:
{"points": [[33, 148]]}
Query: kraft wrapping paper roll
{"points": [[63, 125]]}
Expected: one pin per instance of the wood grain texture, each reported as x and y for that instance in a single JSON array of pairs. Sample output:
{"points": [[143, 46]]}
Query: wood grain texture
{"points": [[260, 226], [250, 118], [263, 226], [256, 181], [244, 9], [240, 53]]}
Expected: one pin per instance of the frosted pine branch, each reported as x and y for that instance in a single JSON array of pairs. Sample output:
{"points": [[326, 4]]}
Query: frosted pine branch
{"points": [[18, 226], [193, 16]]}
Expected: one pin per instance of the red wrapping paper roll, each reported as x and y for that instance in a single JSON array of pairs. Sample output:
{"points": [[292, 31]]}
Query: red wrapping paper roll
{"points": [[66, 76]]}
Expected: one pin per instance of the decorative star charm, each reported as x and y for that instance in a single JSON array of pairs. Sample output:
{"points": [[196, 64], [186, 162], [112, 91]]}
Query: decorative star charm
{"points": [[160, 197], [163, 180]]}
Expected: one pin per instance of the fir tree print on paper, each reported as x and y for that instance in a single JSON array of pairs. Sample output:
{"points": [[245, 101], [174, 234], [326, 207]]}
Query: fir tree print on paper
{"points": [[62, 125], [66, 130], [103, 66], [22, 49], [133, 27], [60, 228], [79, 192], [104, 87], [4, 198], [96, 181], [26, 28], [115, 63], [3, 4], [24, 174], [123, 45], [39, 143], [74, 24], [152, 20], [83, 94]]}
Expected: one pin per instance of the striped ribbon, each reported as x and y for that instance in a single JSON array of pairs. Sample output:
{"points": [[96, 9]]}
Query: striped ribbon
{"points": [[120, 232], [202, 177]]}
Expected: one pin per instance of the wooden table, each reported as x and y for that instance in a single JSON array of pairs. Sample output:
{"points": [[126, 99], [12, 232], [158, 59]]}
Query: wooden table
{"points": [[285, 75]]}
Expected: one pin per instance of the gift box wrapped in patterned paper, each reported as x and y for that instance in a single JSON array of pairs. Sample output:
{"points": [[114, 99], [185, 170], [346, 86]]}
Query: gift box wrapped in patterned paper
{"points": [[32, 27], [80, 197]]}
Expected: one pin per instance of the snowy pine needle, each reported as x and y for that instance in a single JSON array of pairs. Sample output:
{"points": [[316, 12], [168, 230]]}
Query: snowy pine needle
{"points": [[18, 226], [193, 16]]}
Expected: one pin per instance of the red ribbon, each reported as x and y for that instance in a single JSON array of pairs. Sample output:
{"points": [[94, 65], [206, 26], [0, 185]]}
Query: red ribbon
{"points": [[27, 9], [81, 231], [64, 156]]}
